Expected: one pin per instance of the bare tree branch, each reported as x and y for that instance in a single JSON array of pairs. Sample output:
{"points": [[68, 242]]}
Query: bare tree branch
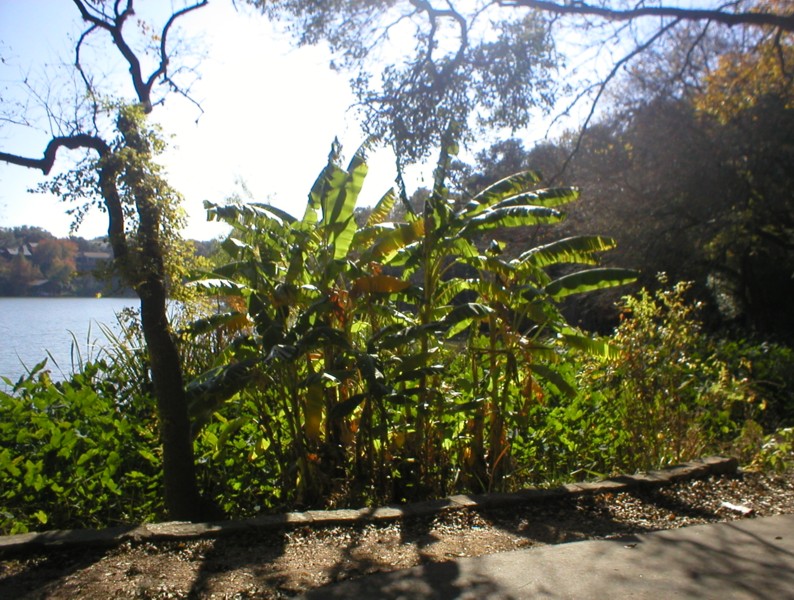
{"points": [[756, 19], [46, 163], [89, 86], [114, 26], [603, 84], [163, 68]]}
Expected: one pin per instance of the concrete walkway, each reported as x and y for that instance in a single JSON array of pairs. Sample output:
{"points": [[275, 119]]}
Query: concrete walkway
{"points": [[749, 558]]}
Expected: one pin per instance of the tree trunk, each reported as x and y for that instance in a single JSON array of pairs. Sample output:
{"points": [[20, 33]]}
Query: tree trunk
{"points": [[146, 272], [182, 499]]}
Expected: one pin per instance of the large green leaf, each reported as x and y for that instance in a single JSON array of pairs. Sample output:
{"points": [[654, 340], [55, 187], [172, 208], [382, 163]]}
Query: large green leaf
{"points": [[365, 237], [550, 197], [200, 326], [338, 191], [586, 281], [297, 258], [273, 210], [600, 347], [333, 198], [320, 336], [447, 290], [235, 248], [382, 210], [540, 349], [509, 186], [464, 316], [493, 266], [246, 270], [512, 216], [344, 238], [540, 312], [408, 362], [357, 173], [462, 248], [218, 285], [554, 378], [335, 194], [470, 310], [237, 214], [579, 249], [388, 244], [344, 408], [319, 188]]}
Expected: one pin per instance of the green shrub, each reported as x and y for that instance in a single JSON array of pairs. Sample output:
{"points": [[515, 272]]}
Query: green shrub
{"points": [[75, 454], [671, 393], [776, 452], [767, 368]]}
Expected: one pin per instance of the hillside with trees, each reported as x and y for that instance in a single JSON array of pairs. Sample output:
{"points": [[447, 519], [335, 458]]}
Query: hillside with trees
{"points": [[33, 262]]}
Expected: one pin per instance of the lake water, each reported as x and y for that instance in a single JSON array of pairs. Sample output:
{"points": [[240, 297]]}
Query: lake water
{"points": [[30, 327]]}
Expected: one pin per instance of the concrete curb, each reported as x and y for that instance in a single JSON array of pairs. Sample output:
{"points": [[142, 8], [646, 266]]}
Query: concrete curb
{"points": [[176, 531]]}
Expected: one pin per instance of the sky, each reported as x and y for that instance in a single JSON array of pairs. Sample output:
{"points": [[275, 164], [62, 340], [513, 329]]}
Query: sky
{"points": [[270, 115]]}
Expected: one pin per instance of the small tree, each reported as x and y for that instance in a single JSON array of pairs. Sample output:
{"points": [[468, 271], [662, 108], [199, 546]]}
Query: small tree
{"points": [[119, 170]]}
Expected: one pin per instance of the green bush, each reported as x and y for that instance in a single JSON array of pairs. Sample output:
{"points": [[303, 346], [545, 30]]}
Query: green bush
{"points": [[333, 377], [776, 452], [84, 453], [75, 454], [672, 395], [767, 368]]}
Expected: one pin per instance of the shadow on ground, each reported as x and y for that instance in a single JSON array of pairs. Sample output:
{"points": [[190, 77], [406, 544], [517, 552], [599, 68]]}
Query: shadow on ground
{"points": [[752, 558]]}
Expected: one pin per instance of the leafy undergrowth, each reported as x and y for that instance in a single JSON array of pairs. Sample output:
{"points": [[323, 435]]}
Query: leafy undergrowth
{"points": [[284, 563]]}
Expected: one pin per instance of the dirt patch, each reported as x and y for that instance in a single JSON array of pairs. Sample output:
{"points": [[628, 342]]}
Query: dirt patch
{"points": [[286, 562]]}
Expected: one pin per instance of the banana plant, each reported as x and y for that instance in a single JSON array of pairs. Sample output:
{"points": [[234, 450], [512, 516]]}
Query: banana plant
{"points": [[344, 367], [302, 280], [516, 300]]}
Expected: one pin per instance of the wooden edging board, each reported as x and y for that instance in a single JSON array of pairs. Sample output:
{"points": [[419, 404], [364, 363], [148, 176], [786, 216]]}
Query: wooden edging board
{"points": [[178, 530]]}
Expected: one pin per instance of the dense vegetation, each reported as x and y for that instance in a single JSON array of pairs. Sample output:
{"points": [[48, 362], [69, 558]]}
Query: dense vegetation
{"points": [[440, 342], [393, 362]]}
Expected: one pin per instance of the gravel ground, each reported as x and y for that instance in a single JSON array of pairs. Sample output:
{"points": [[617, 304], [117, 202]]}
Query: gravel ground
{"points": [[282, 564]]}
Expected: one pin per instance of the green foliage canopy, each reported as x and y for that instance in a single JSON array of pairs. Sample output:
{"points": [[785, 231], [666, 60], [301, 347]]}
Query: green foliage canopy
{"points": [[457, 72]]}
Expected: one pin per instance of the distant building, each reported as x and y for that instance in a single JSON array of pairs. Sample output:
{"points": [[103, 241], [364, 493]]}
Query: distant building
{"points": [[25, 250], [86, 262]]}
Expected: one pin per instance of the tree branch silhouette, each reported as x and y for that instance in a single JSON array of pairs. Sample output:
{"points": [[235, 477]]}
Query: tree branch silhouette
{"points": [[752, 18]]}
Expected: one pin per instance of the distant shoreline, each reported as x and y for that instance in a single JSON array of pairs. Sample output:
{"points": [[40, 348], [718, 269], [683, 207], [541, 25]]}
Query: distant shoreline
{"points": [[130, 295]]}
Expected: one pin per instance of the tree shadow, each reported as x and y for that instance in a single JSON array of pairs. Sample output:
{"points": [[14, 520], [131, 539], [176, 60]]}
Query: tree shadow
{"points": [[444, 580], [590, 516], [748, 558], [44, 569], [748, 561], [739, 559], [555, 520], [260, 553], [244, 550]]}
